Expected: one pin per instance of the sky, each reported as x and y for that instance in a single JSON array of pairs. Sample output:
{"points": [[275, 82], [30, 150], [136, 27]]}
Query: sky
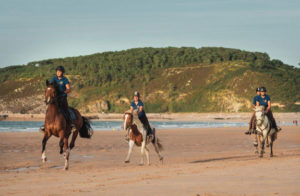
{"points": [[32, 30]]}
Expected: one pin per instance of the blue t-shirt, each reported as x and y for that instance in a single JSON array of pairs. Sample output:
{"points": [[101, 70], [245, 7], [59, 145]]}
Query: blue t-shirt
{"points": [[255, 99], [137, 107], [264, 101], [61, 84]]}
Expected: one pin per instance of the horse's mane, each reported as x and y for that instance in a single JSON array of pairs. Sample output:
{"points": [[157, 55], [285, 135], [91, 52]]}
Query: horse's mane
{"points": [[259, 108], [136, 119], [55, 86]]}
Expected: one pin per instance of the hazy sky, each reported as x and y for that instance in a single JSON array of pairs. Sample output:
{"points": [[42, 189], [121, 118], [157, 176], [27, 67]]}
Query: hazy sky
{"points": [[38, 29]]}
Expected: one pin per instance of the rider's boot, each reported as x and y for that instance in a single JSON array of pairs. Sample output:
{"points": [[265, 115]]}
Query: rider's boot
{"points": [[150, 134]]}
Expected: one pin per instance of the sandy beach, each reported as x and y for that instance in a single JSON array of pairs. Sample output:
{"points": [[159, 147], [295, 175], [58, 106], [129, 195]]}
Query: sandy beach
{"points": [[210, 161]]}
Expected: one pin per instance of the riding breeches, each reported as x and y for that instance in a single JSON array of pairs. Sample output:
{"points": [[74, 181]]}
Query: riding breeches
{"points": [[146, 124], [272, 120], [64, 106]]}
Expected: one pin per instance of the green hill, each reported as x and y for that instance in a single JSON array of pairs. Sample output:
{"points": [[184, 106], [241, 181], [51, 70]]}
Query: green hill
{"points": [[170, 79]]}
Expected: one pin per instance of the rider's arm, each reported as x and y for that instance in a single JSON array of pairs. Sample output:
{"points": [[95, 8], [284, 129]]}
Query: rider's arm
{"points": [[141, 109], [68, 89]]}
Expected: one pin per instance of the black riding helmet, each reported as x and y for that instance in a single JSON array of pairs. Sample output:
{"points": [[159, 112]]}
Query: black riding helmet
{"points": [[263, 89], [60, 68], [258, 89], [137, 94]]}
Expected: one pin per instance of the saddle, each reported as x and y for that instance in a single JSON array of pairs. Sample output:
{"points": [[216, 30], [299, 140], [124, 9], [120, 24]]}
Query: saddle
{"points": [[71, 112]]}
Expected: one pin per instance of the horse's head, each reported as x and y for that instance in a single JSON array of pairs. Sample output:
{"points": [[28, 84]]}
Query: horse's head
{"points": [[50, 92], [128, 119], [259, 114]]}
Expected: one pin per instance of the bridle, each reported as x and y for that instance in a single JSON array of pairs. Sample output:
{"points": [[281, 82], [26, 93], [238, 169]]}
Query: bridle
{"points": [[127, 125], [51, 99]]}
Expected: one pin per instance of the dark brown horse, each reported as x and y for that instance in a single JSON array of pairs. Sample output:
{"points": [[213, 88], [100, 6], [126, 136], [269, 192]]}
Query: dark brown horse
{"points": [[56, 124]]}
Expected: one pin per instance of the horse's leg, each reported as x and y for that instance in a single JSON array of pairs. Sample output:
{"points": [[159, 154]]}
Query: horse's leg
{"points": [[66, 153], [267, 142], [271, 145], [262, 150], [147, 155], [131, 145], [61, 142], [74, 136], [260, 145], [155, 144], [143, 151], [44, 142], [255, 143]]}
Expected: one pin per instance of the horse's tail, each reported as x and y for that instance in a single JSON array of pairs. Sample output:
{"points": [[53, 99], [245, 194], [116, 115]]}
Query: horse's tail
{"points": [[156, 140], [86, 130], [159, 145]]}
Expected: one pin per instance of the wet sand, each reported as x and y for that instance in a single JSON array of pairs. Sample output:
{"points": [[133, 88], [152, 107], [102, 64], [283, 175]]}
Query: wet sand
{"points": [[206, 161]]}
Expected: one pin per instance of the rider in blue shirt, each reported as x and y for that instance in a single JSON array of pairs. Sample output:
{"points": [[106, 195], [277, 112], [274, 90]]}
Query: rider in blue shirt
{"points": [[63, 88], [265, 100], [138, 105]]}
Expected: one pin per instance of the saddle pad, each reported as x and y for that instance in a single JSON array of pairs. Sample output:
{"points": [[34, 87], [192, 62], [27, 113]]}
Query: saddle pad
{"points": [[72, 114]]}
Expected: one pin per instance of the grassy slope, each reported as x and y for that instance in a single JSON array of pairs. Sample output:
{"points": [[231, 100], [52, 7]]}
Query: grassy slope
{"points": [[226, 86]]}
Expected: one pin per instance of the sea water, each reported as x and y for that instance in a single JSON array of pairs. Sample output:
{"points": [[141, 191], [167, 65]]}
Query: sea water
{"points": [[33, 126]]}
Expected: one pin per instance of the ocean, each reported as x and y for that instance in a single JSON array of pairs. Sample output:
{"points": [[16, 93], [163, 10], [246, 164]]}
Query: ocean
{"points": [[33, 126]]}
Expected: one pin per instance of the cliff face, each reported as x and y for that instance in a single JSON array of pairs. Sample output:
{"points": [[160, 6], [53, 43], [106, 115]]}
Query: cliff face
{"points": [[169, 80]]}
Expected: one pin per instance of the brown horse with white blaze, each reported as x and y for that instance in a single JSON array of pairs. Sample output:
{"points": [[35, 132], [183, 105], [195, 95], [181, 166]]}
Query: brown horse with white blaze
{"points": [[56, 124]]}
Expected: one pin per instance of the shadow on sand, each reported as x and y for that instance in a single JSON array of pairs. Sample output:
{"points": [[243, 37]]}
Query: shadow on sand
{"points": [[244, 158]]}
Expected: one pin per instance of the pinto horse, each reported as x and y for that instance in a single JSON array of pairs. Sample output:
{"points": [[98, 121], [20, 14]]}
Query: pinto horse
{"points": [[264, 131], [56, 124], [138, 136]]}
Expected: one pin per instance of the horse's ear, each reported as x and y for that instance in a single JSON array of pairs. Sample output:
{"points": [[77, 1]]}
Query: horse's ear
{"points": [[47, 83]]}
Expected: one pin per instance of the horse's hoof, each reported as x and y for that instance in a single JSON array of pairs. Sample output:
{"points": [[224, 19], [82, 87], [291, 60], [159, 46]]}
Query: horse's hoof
{"points": [[66, 169], [161, 158], [44, 160], [141, 164], [127, 161], [268, 145], [260, 156]]}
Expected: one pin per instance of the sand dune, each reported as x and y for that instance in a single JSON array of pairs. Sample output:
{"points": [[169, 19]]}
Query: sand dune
{"points": [[218, 161]]}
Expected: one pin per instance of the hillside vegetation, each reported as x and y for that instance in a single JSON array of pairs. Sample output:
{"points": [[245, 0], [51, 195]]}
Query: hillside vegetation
{"points": [[170, 79]]}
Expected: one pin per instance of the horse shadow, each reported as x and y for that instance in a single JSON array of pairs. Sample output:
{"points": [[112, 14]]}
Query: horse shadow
{"points": [[243, 157]]}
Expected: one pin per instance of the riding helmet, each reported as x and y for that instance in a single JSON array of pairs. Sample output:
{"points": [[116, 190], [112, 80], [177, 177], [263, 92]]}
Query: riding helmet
{"points": [[258, 89], [60, 68], [263, 89], [136, 94]]}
